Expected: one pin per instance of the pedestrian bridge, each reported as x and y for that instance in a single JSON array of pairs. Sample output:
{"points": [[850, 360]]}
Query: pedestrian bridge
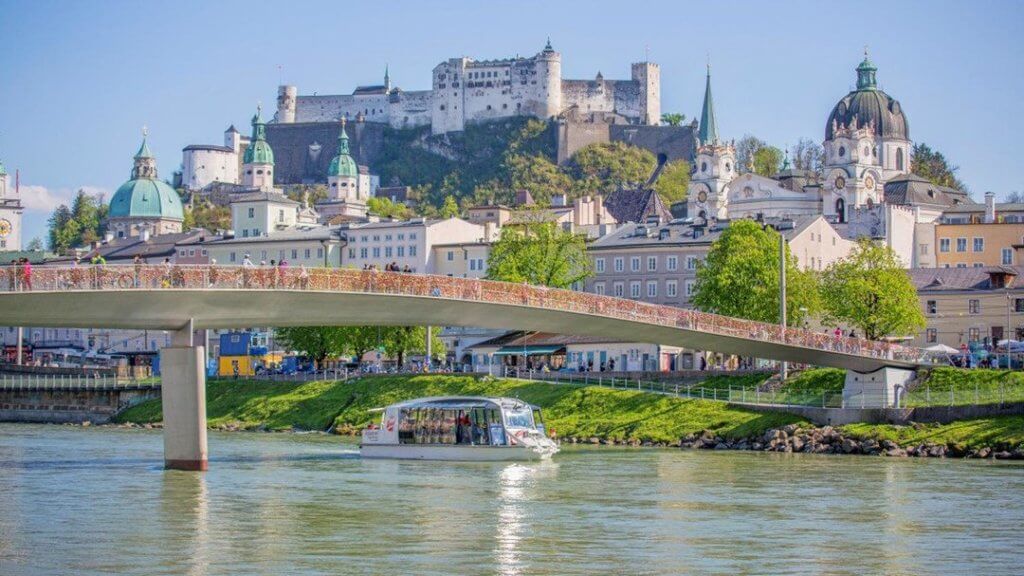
{"points": [[169, 298], [184, 299]]}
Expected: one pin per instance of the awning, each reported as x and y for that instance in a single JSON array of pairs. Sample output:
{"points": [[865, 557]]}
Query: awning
{"points": [[530, 350]]}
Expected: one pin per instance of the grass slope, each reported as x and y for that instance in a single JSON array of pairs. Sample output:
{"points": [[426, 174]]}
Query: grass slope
{"points": [[1005, 430], [570, 410]]}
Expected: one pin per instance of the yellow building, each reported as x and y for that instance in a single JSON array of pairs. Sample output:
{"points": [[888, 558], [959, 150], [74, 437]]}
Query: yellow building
{"points": [[972, 305], [977, 244]]}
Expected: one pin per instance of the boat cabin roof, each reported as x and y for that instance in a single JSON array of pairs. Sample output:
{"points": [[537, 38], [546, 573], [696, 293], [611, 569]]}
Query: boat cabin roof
{"points": [[463, 403]]}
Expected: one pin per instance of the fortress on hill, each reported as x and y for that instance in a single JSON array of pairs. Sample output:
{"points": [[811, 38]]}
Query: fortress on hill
{"points": [[465, 91]]}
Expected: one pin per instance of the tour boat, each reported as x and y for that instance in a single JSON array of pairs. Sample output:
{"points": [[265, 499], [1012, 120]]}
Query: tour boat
{"points": [[459, 428]]}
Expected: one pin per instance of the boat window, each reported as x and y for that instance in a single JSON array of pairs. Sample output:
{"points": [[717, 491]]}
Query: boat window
{"points": [[444, 426], [538, 420], [522, 418]]}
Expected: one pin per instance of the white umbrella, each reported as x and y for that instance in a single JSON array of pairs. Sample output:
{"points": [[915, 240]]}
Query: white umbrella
{"points": [[942, 348]]}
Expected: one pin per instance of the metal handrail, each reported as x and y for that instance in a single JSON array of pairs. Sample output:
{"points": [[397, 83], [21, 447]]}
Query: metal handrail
{"points": [[210, 277]]}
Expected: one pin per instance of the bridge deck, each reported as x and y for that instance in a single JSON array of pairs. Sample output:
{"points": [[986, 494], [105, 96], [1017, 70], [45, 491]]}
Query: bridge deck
{"points": [[158, 297]]}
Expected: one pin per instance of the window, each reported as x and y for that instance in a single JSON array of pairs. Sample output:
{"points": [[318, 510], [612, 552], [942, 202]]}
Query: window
{"points": [[376, 238], [412, 236], [599, 265], [671, 289], [451, 257], [652, 263], [387, 237], [634, 263], [671, 262], [961, 265], [599, 288], [255, 231], [979, 264], [1018, 305], [974, 306], [401, 251], [351, 253], [923, 249], [252, 214], [1007, 256], [652, 289], [689, 288], [412, 250], [617, 288], [363, 254], [618, 264], [387, 251], [245, 234], [376, 252], [979, 244], [944, 245], [961, 244], [634, 289], [280, 215], [931, 336], [691, 262], [974, 334], [320, 252], [305, 253], [231, 257], [899, 161], [295, 254], [930, 307], [181, 253]]}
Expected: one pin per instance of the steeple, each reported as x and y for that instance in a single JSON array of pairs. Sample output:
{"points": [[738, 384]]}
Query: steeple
{"points": [[343, 139], [387, 79], [708, 125], [259, 151], [547, 47], [866, 73], [145, 162]]}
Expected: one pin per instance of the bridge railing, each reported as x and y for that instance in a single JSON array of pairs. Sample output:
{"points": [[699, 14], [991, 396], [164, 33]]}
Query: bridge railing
{"points": [[215, 277]]}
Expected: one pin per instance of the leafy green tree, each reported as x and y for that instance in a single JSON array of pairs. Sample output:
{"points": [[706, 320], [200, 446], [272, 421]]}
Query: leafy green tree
{"points": [[81, 224], [385, 208], [208, 216], [299, 192], [539, 252], [872, 291], [604, 167], [539, 175], [35, 245], [398, 341], [933, 166], [450, 208], [62, 229], [767, 161], [316, 342], [673, 182], [741, 278], [673, 119]]}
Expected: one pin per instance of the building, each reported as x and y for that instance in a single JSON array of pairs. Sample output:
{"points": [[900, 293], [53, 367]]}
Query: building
{"points": [[576, 353], [970, 306], [465, 91], [407, 243], [462, 259], [145, 203], [10, 214], [348, 188], [206, 164], [300, 245], [978, 245], [261, 213]]}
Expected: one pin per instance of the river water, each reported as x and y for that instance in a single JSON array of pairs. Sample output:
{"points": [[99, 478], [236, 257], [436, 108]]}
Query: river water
{"points": [[95, 500]]}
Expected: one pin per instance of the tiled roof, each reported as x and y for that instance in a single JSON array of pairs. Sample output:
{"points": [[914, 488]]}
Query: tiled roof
{"points": [[913, 190], [262, 197], [943, 279], [636, 205]]}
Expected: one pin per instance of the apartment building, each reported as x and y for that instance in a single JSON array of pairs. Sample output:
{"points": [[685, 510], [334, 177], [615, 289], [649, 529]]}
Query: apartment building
{"points": [[970, 305]]}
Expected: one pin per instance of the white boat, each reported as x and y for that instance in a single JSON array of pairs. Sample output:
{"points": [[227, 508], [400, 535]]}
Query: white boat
{"points": [[459, 428]]}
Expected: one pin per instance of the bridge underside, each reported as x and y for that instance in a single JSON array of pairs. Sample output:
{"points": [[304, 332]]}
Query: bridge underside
{"points": [[166, 309]]}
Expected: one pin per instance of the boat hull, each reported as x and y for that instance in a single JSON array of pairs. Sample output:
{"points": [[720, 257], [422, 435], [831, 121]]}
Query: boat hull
{"points": [[461, 453]]}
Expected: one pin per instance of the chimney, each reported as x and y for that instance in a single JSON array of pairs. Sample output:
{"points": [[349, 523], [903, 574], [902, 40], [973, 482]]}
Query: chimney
{"points": [[990, 207]]}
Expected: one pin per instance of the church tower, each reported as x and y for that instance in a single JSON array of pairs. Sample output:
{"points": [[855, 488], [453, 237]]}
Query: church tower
{"points": [[10, 215], [258, 162], [343, 174], [715, 166]]}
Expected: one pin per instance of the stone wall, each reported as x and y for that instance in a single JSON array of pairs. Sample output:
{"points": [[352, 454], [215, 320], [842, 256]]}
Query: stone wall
{"points": [[69, 406], [303, 151], [902, 416]]}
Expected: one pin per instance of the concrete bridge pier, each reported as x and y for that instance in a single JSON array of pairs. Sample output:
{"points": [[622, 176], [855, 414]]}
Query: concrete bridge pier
{"points": [[183, 368], [878, 389]]}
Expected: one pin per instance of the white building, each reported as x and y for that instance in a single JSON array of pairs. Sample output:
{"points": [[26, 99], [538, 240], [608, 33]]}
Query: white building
{"points": [[204, 164], [407, 243], [10, 215]]}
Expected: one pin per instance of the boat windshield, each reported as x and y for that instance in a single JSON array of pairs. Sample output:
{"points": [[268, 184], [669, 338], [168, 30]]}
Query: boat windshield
{"points": [[522, 418]]}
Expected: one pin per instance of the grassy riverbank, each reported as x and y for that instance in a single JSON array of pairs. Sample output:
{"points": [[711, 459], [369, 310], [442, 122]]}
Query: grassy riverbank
{"points": [[1005, 431], [570, 410]]}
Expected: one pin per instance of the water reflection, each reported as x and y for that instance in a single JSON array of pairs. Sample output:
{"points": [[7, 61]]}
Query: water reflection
{"points": [[185, 514]]}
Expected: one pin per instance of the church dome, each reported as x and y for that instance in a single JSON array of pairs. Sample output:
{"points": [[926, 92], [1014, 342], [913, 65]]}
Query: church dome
{"points": [[343, 165], [867, 105], [259, 151], [146, 198]]}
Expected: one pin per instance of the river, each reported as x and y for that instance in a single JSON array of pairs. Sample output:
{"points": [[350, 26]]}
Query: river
{"points": [[96, 500]]}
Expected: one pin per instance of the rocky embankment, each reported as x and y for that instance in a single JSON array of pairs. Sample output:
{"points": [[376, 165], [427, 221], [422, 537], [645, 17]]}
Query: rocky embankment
{"points": [[829, 440]]}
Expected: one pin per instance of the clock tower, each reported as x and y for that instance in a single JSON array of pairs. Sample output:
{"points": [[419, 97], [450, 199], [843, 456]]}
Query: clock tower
{"points": [[715, 166], [10, 215]]}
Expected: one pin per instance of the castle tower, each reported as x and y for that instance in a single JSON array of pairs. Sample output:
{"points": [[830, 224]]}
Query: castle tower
{"points": [[258, 162], [286, 102], [549, 68], [648, 76], [715, 166], [10, 215], [343, 174]]}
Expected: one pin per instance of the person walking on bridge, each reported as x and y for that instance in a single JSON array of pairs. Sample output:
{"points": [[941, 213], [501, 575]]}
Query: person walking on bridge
{"points": [[26, 274]]}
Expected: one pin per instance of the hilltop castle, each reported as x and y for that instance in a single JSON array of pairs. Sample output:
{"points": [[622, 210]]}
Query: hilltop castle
{"points": [[466, 91]]}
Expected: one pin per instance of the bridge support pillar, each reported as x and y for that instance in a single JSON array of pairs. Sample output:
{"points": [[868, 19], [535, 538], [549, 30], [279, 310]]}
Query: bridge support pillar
{"points": [[878, 389], [183, 370]]}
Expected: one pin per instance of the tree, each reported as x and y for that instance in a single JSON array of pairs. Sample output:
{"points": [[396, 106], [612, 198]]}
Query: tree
{"points": [[673, 119], [871, 290], [933, 166], [385, 208], [539, 252], [401, 340], [745, 150], [299, 192], [809, 155], [1015, 197], [316, 342], [605, 167], [741, 277], [81, 224], [209, 217], [673, 182], [538, 174], [35, 245], [450, 208], [767, 161]]}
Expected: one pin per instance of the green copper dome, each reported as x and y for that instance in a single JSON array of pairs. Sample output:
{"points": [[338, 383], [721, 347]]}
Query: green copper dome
{"points": [[258, 152], [343, 164], [146, 198]]}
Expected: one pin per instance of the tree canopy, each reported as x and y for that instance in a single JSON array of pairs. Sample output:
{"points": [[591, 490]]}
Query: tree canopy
{"points": [[539, 252], [673, 119], [385, 208], [673, 182], [740, 278], [78, 225], [871, 290], [322, 342], [933, 166], [606, 166]]}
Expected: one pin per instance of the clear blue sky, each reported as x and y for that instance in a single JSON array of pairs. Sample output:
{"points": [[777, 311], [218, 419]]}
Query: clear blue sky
{"points": [[81, 78]]}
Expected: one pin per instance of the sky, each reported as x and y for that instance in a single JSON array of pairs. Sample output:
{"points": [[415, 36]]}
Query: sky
{"points": [[80, 79]]}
